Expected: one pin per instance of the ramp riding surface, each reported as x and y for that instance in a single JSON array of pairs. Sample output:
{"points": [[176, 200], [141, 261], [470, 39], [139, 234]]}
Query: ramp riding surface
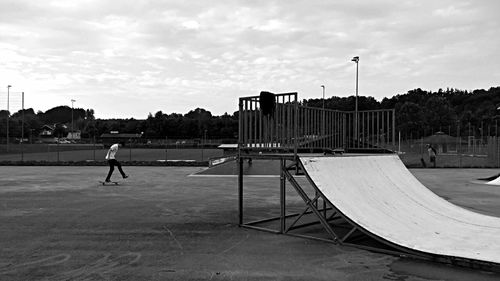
{"points": [[495, 181], [380, 195]]}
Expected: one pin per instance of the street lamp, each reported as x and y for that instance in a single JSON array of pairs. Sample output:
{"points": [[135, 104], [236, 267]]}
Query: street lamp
{"points": [[72, 133], [323, 121], [356, 60], [323, 86], [8, 115]]}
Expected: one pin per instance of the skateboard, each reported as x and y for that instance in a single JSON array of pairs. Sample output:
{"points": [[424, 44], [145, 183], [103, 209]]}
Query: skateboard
{"points": [[109, 183]]}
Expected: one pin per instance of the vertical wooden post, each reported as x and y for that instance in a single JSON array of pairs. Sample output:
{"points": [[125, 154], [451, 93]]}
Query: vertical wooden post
{"points": [[282, 196], [166, 149], [130, 150], [240, 189], [240, 164], [393, 127]]}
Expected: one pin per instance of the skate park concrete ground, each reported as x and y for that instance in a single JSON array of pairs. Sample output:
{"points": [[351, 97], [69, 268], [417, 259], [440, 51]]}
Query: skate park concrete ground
{"points": [[180, 223]]}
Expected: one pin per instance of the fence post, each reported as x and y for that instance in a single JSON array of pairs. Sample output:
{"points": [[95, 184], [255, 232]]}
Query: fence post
{"points": [[202, 147], [497, 140], [22, 131], [130, 149], [394, 128], [399, 143]]}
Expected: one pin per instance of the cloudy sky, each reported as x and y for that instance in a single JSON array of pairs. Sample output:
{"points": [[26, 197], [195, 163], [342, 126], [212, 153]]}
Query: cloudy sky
{"points": [[126, 58]]}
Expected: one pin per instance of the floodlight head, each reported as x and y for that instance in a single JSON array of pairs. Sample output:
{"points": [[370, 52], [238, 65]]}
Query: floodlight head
{"points": [[323, 86], [355, 59], [8, 86]]}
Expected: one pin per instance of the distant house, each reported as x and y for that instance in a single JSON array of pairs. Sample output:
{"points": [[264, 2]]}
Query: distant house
{"points": [[443, 142], [47, 131], [75, 135], [229, 148], [47, 134], [116, 137]]}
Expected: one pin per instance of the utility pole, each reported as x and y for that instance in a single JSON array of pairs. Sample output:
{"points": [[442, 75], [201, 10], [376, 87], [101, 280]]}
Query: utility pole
{"points": [[323, 86], [8, 115], [356, 60], [22, 130], [72, 133], [323, 114]]}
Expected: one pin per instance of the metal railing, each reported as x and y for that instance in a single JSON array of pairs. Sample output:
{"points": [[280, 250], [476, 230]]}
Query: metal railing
{"points": [[292, 127], [375, 129], [273, 131]]}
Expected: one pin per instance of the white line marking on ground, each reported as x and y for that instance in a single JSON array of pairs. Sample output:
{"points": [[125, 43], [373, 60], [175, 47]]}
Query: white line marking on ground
{"points": [[234, 176]]}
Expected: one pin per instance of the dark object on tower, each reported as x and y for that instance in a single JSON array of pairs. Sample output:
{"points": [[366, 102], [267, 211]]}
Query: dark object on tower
{"points": [[267, 103]]}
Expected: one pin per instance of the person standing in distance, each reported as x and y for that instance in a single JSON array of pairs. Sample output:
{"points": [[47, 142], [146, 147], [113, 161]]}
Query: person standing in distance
{"points": [[432, 154], [110, 156]]}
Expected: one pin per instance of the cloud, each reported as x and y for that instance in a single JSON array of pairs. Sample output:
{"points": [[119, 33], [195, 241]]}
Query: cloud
{"points": [[128, 58]]}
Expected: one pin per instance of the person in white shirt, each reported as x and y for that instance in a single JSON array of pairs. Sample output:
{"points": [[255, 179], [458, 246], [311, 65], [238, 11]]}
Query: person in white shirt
{"points": [[110, 156]]}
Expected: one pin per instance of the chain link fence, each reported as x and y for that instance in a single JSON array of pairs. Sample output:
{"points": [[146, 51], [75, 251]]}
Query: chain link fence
{"points": [[468, 152], [89, 151], [465, 152]]}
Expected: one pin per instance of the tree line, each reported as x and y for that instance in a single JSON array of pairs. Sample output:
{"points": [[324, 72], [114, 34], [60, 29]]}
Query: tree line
{"points": [[197, 123], [418, 113]]}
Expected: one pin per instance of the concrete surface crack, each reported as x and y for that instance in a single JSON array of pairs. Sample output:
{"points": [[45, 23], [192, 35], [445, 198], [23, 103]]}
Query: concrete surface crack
{"points": [[173, 237]]}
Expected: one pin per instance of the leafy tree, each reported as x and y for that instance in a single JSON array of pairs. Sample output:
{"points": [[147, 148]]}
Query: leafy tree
{"points": [[27, 112], [200, 118], [438, 113], [60, 131], [409, 119], [417, 111], [89, 114]]}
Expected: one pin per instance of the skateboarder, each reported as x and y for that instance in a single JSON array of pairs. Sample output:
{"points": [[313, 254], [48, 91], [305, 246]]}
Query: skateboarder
{"points": [[110, 156]]}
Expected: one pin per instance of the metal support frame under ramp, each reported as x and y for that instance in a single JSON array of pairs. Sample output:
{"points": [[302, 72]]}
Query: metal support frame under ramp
{"points": [[327, 222]]}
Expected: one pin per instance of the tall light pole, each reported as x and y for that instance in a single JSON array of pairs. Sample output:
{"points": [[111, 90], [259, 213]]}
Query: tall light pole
{"points": [[356, 60], [323, 117], [323, 86], [22, 130], [72, 133], [8, 115]]}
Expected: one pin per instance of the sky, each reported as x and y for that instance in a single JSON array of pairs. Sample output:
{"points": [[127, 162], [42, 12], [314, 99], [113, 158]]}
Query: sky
{"points": [[129, 58]]}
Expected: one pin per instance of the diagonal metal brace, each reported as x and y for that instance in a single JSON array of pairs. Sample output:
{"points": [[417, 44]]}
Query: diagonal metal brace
{"points": [[311, 205]]}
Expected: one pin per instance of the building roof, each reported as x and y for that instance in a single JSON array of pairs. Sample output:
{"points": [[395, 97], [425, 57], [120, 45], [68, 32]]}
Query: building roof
{"points": [[121, 136], [228, 146], [48, 127]]}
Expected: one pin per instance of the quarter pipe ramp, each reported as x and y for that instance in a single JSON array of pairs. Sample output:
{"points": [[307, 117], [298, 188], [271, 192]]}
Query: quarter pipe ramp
{"points": [[381, 196], [496, 181]]}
